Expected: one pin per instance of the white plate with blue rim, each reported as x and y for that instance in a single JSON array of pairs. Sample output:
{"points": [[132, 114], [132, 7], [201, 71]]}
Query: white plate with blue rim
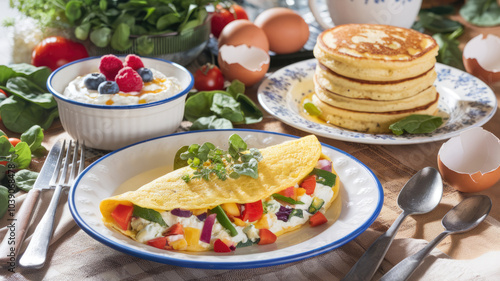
{"points": [[130, 167], [464, 102]]}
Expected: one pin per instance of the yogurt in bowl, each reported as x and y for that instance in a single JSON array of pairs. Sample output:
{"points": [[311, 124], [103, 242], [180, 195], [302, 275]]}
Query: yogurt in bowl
{"points": [[126, 117]]}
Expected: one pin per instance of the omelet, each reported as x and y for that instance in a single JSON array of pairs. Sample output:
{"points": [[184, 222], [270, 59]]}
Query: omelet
{"points": [[172, 213]]}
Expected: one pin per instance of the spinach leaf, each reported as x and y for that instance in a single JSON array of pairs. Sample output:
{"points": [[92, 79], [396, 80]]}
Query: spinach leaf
{"points": [[449, 53], [221, 109], [227, 107], [4, 200], [24, 88], [481, 12], [34, 137], [19, 115], [6, 149], [416, 124], [211, 122], [438, 23], [145, 45], [25, 179], [37, 75], [149, 214], [250, 110], [101, 36], [23, 155]]}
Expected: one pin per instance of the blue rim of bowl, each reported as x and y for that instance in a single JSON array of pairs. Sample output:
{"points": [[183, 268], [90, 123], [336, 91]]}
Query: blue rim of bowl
{"points": [[222, 265], [184, 92]]}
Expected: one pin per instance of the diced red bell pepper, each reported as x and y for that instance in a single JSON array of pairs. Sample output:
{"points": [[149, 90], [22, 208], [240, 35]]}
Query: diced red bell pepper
{"points": [[159, 242], [221, 247], [289, 192], [309, 184], [317, 219], [266, 237], [175, 229], [253, 211], [122, 215]]}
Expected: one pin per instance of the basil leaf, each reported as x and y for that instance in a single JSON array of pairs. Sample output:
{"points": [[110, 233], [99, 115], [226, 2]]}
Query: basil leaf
{"points": [[481, 12], [25, 179], [149, 214], [416, 124], [324, 177]]}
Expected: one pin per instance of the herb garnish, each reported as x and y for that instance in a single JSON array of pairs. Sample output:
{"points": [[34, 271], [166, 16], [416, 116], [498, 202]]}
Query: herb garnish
{"points": [[208, 159], [416, 124]]}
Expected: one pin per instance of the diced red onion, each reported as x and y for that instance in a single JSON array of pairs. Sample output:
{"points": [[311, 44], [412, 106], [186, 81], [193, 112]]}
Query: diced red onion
{"points": [[202, 217], [206, 231], [324, 164], [283, 213], [181, 213]]}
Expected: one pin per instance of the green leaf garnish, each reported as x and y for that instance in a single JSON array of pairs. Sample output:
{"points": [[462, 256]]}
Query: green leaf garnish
{"points": [[209, 160], [149, 214], [416, 124]]}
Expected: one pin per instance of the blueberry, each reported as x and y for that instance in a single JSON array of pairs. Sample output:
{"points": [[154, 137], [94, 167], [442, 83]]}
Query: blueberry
{"points": [[145, 74], [108, 88], [93, 80]]}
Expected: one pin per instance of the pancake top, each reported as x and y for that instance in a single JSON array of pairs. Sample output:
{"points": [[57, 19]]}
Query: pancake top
{"points": [[376, 42]]}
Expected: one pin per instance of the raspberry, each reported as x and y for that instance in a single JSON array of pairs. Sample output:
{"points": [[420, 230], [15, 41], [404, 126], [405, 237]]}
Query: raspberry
{"points": [[109, 66], [129, 80], [133, 61]]}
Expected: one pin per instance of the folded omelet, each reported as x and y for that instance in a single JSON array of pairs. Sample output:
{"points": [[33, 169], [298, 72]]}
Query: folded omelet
{"points": [[281, 173]]}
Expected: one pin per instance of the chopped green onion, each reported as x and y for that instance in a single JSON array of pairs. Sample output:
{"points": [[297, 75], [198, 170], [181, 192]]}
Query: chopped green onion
{"points": [[286, 199]]}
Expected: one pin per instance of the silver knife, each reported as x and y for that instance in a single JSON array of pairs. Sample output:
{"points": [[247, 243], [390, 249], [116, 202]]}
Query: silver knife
{"points": [[18, 226]]}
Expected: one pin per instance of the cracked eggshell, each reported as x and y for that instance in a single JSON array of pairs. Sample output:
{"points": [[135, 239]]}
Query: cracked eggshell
{"points": [[247, 64], [240, 32], [482, 58], [470, 162]]}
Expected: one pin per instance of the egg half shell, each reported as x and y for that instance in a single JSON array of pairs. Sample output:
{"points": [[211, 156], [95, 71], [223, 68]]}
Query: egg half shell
{"points": [[470, 162], [482, 59], [287, 32], [249, 64], [240, 32]]}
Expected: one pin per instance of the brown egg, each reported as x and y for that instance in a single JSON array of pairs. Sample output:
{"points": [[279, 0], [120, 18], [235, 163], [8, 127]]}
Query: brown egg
{"points": [[286, 30], [482, 59], [247, 64], [470, 162], [240, 32]]}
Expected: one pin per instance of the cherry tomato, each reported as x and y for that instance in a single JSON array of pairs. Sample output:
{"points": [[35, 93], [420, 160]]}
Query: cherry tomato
{"points": [[56, 51], [208, 78], [2, 92], [224, 15], [14, 141]]}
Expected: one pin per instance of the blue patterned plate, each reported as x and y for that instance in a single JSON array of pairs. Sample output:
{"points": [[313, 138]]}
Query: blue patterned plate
{"points": [[465, 101]]}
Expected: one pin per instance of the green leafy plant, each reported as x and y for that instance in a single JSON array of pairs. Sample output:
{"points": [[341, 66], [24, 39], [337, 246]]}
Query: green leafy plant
{"points": [[481, 12], [416, 124], [30, 102], [221, 109], [209, 160], [445, 30], [4, 200], [149, 214]]}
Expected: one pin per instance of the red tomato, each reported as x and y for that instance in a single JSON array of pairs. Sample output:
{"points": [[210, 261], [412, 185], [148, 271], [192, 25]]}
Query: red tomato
{"points": [[208, 78], [14, 141], [224, 15], [253, 211], [122, 215], [266, 237], [56, 51], [317, 219], [221, 247], [159, 242]]}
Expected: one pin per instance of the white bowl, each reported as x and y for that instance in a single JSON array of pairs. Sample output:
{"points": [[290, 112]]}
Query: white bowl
{"points": [[111, 127]]}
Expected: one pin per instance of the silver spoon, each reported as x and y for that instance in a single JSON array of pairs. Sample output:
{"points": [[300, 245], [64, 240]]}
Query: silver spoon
{"points": [[463, 217], [420, 195]]}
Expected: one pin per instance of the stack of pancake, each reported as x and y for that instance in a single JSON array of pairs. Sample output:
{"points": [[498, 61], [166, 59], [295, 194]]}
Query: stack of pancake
{"points": [[370, 76]]}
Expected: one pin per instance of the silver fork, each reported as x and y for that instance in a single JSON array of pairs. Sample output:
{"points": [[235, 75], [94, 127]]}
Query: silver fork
{"points": [[36, 252]]}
